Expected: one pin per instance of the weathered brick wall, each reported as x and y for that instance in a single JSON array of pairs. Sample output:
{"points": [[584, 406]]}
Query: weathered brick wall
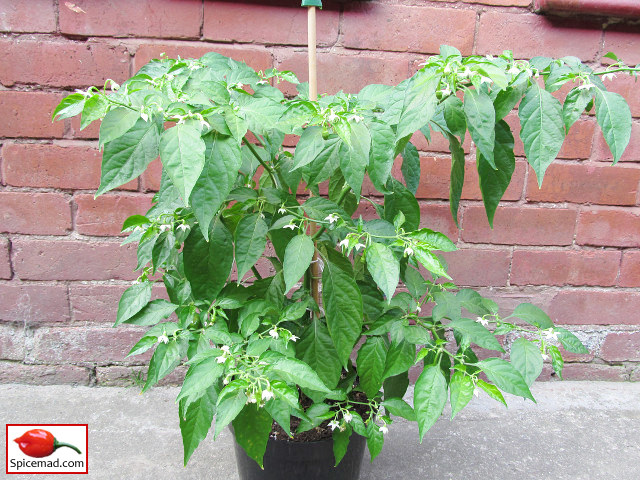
{"points": [[572, 247]]}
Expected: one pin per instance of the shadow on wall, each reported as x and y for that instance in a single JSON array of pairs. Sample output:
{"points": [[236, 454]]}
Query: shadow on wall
{"points": [[326, 4]]}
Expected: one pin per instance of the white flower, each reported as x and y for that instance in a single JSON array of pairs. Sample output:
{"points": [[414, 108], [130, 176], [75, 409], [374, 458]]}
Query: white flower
{"points": [[282, 210], [274, 333], [514, 70], [418, 309], [609, 76], [545, 357], [204, 123], [408, 251], [467, 73], [333, 424], [359, 246], [446, 90], [262, 215], [225, 381], [226, 349], [447, 69], [292, 226], [240, 85], [184, 227], [355, 118], [262, 82], [294, 338], [482, 321], [332, 217], [484, 80], [138, 228], [384, 429], [267, 395], [221, 359], [251, 398], [170, 77], [114, 86], [475, 392], [550, 334], [332, 117], [347, 417], [343, 243], [163, 339], [586, 86], [165, 227], [144, 116]]}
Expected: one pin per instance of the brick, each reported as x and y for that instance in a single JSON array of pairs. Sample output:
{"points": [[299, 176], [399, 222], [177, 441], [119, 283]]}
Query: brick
{"points": [[5, 260], [577, 144], [86, 345], [236, 22], [375, 26], [150, 178], [11, 341], [99, 303], [35, 213], [66, 165], [622, 40], [438, 143], [588, 371], [11, 372], [631, 154], [609, 227], [586, 183], [90, 133], [520, 226], [635, 375], [105, 215], [345, 72], [630, 269], [28, 114], [595, 307], [435, 179], [621, 347], [91, 63], [473, 267], [438, 217], [140, 18], [33, 303], [508, 298], [258, 58], [73, 260], [502, 3], [120, 376], [18, 16], [529, 35], [626, 86], [565, 267]]}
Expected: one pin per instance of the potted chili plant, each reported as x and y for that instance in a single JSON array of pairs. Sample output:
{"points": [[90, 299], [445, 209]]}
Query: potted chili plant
{"points": [[283, 301]]}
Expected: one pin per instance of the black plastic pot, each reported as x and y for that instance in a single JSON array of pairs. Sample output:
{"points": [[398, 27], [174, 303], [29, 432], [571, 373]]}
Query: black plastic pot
{"points": [[302, 460]]}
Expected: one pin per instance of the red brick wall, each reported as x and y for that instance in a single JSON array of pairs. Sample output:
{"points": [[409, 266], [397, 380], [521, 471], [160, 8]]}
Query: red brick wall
{"points": [[572, 247]]}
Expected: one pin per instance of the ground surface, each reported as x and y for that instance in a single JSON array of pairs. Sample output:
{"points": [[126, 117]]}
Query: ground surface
{"points": [[578, 430]]}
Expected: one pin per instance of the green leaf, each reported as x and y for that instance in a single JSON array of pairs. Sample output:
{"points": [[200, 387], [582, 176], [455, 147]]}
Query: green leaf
{"points": [[152, 313], [493, 183], [557, 362], [343, 309], [70, 106], [429, 398], [310, 145], [381, 154], [223, 158], [400, 357], [399, 407], [454, 116], [375, 440], [492, 391], [164, 360], [292, 370], [461, 391], [237, 125], [324, 165], [542, 128], [251, 428], [316, 348], [200, 377], [401, 200], [430, 262], [397, 385], [419, 103], [116, 123], [95, 107], [182, 151], [207, 264], [261, 114], [411, 167], [574, 105], [371, 361], [507, 99], [127, 155], [228, 409], [434, 240], [133, 300], [355, 158], [196, 423], [505, 376], [316, 414], [570, 342], [340, 443], [533, 316], [474, 332], [144, 344], [457, 176], [481, 119], [384, 267], [614, 118], [526, 357], [297, 258], [251, 238]]}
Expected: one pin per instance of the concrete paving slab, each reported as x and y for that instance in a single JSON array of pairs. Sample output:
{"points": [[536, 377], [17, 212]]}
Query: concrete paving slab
{"points": [[577, 431]]}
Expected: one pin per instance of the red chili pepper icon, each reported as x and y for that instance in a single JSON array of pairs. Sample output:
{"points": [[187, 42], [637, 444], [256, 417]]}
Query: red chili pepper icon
{"points": [[39, 443]]}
